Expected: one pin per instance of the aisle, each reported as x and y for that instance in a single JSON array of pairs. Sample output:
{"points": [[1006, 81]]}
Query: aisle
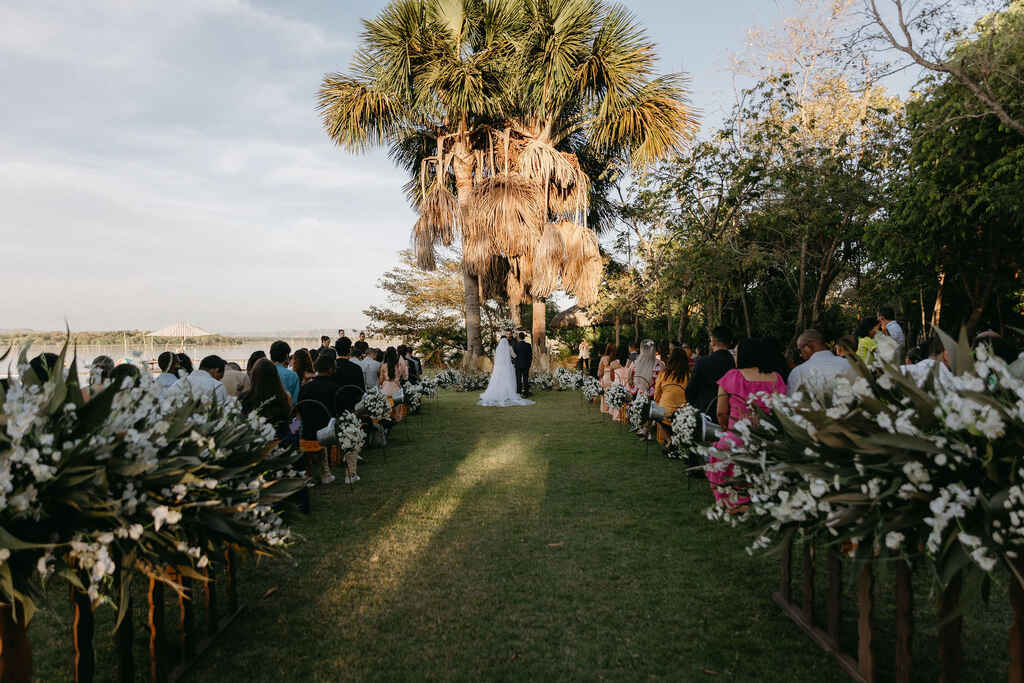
{"points": [[523, 543]]}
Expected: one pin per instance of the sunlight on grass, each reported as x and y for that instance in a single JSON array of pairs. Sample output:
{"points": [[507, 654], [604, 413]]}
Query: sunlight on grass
{"points": [[516, 481]]}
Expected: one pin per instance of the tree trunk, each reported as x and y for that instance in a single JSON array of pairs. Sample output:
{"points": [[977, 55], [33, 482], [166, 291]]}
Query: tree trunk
{"points": [[636, 329], [801, 289], [937, 310], [746, 311], [684, 317], [15, 650], [541, 361], [618, 327], [463, 167]]}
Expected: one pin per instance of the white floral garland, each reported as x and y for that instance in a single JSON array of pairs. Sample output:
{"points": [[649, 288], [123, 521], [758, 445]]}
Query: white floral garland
{"points": [[617, 396]]}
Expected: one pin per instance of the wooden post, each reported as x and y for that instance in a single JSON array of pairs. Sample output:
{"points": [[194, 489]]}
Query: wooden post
{"points": [[157, 654], [83, 628], [951, 656], [186, 617], [211, 602], [808, 587], [785, 589], [904, 622], [835, 594], [1017, 630], [231, 577], [15, 650], [865, 635]]}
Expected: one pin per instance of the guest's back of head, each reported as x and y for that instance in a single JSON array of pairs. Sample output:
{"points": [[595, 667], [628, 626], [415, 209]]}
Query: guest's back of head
{"points": [[757, 353], [279, 351], [123, 371], [867, 327], [722, 336], [185, 363], [678, 365], [267, 394], [166, 361], [101, 367], [343, 346], [610, 350], [254, 358], [214, 365]]}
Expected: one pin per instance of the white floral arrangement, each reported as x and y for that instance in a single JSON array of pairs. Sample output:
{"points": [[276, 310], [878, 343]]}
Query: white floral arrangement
{"points": [[448, 377], [413, 397], [592, 389], [892, 468], [639, 411], [374, 404], [617, 396], [685, 423], [428, 387], [566, 378], [473, 382], [349, 429], [543, 381]]}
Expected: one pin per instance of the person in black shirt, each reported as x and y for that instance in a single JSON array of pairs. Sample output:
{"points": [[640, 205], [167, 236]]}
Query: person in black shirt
{"points": [[317, 405], [348, 376], [702, 389]]}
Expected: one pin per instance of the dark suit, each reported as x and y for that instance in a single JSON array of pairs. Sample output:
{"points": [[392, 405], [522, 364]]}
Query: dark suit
{"points": [[348, 375], [523, 361], [702, 389]]}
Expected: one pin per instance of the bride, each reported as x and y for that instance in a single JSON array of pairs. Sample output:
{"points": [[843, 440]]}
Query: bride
{"points": [[501, 388]]}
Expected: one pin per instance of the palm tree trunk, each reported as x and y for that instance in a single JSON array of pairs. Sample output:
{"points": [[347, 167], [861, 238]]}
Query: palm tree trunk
{"points": [[464, 185], [540, 342]]}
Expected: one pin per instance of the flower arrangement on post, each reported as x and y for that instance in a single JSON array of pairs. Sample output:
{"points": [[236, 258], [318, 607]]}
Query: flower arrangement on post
{"points": [[349, 430], [639, 411], [542, 381], [428, 387], [448, 378], [413, 398], [374, 405], [617, 396], [592, 389], [685, 425], [891, 468]]}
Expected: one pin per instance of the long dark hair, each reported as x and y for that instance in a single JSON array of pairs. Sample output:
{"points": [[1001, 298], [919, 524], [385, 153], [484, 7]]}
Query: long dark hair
{"points": [[678, 365], [760, 353], [610, 350], [185, 363], [253, 359], [267, 394], [865, 327], [622, 355], [302, 364], [391, 358]]}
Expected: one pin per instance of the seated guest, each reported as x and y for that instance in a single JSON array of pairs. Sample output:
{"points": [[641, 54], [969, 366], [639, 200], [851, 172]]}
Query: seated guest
{"points": [[846, 346], [206, 380], [371, 368], [348, 376], [268, 398], [820, 365], [887, 325], [933, 354], [302, 365], [623, 374], [866, 344], [168, 364], [702, 389], [405, 353], [316, 408], [392, 373], [184, 365], [606, 373], [235, 380], [280, 354], [754, 375], [99, 375], [253, 359], [125, 370], [643, 370], [670, 390]]}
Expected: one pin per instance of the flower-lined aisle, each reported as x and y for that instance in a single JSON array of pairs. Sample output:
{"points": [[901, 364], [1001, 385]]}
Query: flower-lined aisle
{"points": [[922, 470]]}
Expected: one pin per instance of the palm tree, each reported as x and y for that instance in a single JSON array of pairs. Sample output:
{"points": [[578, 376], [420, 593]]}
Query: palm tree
{"points": [[427, 76], [583, 106]]}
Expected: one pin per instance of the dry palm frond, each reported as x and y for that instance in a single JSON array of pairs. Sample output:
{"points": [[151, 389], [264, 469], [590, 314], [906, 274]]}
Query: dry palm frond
{"points": [[439, 212], [523, 269], [548, 262], [572, 202], [508, 209], [583, 267], [541, 162], [495, 278], [423, 245], [514, 288], [476, 255]]}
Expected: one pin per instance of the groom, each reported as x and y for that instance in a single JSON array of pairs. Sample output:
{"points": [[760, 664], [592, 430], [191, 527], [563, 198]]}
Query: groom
{"points": [[522, 359]]}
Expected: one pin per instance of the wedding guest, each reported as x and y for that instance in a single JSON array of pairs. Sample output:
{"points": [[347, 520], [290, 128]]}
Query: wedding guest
{"points": [[776, 357], [123, 371], [866, 344], [846, 346], [184, 365], [670, 390], [280, 353], [643, 370], [371, 368], [168, 364], [752, 376], [622, 373], [702, 389], [583, 364], [348, 376], [405, 353], [362, 337], [688, 350], [302, 365], [820, 365], [99, 375], [634, 352], [661, 357], [888, 325], [269, 398], [235, 380], [253, 359], [325, 341], [595, 361], [206, 380], [933, 353], [316, 407], [605, 373], [392, 373]]}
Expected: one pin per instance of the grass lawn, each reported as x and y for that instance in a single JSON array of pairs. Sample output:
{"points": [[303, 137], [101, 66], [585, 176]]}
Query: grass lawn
{"points": [[533, 544]]}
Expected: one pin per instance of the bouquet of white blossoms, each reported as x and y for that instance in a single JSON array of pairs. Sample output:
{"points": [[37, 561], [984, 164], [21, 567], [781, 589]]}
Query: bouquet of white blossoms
{"points": [[543, 381], [617, 396], [349, 429], [639, 411], [375, 403], [592, 389], [684, 428], [448, 378], [428, 387], [413, 397], [565, 378]]}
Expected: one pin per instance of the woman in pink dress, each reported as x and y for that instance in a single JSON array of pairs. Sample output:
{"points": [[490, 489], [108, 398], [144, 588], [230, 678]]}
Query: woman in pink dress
{"points": [[623, 374], [606, 374], [754, 374], [393, 371]]}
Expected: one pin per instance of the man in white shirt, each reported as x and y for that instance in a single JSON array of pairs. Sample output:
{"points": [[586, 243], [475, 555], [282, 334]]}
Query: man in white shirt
{"points": [[235, 380], [889, 326], [206, 380], [937, 355], [820, 365], [371, 367]]}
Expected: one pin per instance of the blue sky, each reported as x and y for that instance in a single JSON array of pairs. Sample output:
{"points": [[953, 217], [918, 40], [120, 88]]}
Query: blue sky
{"points": [[163, 161]]}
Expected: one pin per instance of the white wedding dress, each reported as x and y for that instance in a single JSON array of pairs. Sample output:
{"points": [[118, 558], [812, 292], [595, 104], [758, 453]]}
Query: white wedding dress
{"points": [[501, 388]]}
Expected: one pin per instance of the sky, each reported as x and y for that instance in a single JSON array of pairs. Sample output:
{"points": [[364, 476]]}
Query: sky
{"points": [[164, 161]]}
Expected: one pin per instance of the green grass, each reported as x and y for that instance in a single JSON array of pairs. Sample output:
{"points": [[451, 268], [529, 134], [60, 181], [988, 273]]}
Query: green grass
{"points": [[526, 544]]}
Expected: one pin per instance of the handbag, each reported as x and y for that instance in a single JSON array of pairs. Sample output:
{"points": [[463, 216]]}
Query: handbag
{"points": [[709, 429]]}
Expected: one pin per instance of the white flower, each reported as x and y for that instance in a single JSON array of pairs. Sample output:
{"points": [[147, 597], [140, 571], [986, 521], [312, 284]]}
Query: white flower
{"points": [[4, 554], [893, 540], [162, 514]]}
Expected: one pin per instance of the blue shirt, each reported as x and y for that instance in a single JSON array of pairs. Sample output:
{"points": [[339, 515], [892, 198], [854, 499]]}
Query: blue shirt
{"points": [[290, 380]]}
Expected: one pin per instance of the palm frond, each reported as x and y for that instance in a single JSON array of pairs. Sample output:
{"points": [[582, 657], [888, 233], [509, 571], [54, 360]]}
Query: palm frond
{"points": [[509, 209], [356, 114], [581, 272], [548, 261]]}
